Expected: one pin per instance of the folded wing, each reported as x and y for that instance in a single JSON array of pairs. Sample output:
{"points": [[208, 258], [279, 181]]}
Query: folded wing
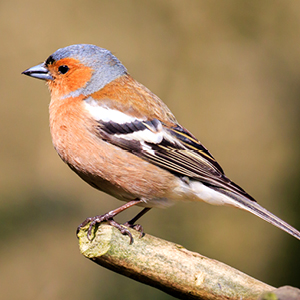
{"points": [[171, 148]]}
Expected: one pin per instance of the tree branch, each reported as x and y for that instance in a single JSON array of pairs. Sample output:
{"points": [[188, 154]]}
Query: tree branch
{"points": [[168, 266]]}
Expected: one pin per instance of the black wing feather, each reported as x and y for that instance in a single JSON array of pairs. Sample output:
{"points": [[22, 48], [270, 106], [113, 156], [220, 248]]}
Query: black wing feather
{"points": [[179, 152]]}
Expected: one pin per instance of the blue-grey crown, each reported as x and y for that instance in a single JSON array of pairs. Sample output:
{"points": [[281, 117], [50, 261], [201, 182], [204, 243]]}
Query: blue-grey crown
{"points": [[105, 65]]}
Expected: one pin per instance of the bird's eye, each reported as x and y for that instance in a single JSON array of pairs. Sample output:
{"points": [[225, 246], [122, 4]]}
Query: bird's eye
{"points": [[63, 69]]}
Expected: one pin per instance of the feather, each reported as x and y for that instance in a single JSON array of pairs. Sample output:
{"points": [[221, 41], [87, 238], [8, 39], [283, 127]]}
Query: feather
{"points": [[173, 149]]}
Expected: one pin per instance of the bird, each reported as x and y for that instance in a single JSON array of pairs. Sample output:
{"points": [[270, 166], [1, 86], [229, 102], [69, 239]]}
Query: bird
{"points": [[123, 140]]}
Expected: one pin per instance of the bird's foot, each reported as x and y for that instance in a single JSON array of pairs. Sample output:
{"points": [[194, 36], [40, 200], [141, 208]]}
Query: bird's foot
{"points": [[108, 217], [136, 227], [105, 218]]}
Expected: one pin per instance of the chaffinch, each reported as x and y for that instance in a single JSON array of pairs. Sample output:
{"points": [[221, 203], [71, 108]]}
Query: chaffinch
{"points": [[122, 139]]}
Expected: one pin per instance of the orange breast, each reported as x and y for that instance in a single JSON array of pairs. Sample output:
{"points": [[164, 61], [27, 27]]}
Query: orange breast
{"points": [[102, 165]]}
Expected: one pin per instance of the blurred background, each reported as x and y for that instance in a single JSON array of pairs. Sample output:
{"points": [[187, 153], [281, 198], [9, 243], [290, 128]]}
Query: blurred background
{"points": [[229, 71]]}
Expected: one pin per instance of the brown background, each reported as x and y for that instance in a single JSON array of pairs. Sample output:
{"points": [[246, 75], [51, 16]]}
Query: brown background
{"points": [[230, 72]]}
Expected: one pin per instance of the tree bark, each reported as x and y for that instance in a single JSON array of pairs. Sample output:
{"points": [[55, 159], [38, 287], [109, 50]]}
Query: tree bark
{"points": [[168, 266]]}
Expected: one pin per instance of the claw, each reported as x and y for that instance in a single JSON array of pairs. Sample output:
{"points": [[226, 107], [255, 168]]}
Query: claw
{"points": [[108, 217], [101, 218], [122, 229], [93, 221], [136, 227], [89, 233], [83, 224]]}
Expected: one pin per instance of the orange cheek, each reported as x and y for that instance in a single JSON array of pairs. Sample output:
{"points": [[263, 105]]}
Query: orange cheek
{"points": [[77, 79], [64, 84]]}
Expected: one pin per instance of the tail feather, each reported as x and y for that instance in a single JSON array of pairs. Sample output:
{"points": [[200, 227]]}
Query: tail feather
{"points": [[256, 209]]}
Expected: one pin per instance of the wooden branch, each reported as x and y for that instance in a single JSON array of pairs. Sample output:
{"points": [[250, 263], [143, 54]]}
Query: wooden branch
{"points": [[168, 266]]}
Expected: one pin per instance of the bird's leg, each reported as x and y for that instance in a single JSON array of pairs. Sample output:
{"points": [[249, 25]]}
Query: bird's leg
{"points": [[108, 217], [137, 227]]}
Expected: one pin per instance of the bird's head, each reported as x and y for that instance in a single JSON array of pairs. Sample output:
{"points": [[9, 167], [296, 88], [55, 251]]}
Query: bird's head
{"points": [[78, 70]]}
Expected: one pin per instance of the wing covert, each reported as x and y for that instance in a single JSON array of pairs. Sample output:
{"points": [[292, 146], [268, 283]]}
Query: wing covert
{"points": [[172, 148]]}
